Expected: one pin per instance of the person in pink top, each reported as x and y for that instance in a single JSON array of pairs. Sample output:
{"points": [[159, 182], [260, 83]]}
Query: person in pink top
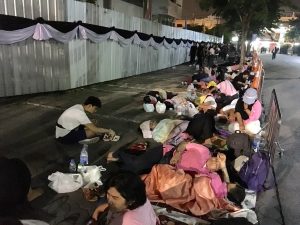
{"points": [[227, 88], [127, 203], [227, 93], [248, 110], [195, 157]]}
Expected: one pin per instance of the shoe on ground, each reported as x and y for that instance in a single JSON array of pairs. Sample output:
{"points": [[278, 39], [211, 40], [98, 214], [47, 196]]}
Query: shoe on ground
{"points": [[89, 141]]}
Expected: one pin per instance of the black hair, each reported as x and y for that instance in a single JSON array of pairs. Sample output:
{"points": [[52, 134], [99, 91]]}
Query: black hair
{"points": [[94, 101], [131, 188], [15, 184], [213, 90], [169, 105], [236, 194], [147, 99], [246, 72], [9, 221]]}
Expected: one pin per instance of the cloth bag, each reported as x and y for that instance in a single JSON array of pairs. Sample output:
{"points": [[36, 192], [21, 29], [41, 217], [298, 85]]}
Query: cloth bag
{"points": [[65, 183]]}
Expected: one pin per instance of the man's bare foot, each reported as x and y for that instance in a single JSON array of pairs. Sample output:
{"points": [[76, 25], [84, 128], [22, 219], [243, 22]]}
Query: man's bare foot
{"points": [[111, 158], [34, 193]]}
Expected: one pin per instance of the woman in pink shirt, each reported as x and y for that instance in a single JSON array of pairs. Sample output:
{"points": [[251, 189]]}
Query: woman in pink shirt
{"points": [[127, 203]]}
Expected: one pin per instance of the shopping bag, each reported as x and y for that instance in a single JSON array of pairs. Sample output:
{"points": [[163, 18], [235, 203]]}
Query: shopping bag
{"points": [[65, 183]]}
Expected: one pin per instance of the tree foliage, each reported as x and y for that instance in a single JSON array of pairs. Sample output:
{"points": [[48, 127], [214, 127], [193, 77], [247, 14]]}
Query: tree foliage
{"points": [[259, 13], [293, 35], [219, 30], [245, 16], [197, 28]]}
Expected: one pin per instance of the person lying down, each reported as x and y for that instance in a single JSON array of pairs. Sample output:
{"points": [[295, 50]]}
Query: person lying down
{"points": [[191, 183]]}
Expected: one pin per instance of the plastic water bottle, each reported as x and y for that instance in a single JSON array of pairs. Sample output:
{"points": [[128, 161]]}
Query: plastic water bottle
{"points": [[72, 166], [256, 142], [84, 156]]}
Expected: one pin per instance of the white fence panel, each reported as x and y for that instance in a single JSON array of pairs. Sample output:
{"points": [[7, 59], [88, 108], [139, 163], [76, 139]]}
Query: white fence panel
{"points": [[43, 66]]}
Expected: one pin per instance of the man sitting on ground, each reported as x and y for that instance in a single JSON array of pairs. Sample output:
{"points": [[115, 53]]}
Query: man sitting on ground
{"points": [[74, 125]]}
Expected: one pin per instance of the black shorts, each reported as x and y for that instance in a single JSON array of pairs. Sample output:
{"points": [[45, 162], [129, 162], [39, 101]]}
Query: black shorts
{"points": [[239, 107], [74, 136]]}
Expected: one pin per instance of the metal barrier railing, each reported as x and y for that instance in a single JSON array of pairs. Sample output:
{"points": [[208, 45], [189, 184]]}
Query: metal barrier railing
{"points": [[271, 142], [261, 84], [273, 122]]}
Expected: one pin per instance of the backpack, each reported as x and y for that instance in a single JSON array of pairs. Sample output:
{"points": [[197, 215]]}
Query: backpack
{"points": [[240, 143], [255, 171]]}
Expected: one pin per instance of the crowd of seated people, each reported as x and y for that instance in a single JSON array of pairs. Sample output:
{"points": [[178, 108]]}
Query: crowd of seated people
{"points": [[184, 170]]}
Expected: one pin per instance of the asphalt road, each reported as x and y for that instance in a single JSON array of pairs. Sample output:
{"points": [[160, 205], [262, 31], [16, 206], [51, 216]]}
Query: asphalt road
{"points": [[282, 74]]}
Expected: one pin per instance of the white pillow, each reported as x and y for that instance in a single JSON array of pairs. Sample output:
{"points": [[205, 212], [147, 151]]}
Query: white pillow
{"points": [[148, 107], [160, 107]]}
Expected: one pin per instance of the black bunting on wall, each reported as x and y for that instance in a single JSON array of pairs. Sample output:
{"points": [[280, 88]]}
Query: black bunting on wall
{"points": [[15, 29]]}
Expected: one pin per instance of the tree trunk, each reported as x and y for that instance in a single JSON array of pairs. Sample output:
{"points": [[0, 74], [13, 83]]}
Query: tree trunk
{"points": [[243, 49], [245, 29]]}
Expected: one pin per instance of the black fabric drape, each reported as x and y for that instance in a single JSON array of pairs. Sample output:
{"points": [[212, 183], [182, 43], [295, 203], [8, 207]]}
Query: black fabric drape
{"points": [[97, 29], [143, 36], [13, 23], [10, 23]]}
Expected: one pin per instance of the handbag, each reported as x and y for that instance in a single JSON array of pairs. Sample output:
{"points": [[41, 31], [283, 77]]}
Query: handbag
{"points": [[240, 143]]}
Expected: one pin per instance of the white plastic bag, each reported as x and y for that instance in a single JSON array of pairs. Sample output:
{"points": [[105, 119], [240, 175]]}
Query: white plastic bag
{"points": [[191, 92], [160, 107], [33, 222], [148, 107], [192, 110], [92, 174], [65, 183]]}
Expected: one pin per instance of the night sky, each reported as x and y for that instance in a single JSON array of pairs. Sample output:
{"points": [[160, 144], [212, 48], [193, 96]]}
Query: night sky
{"points": [[192, 10], [296, 2]]}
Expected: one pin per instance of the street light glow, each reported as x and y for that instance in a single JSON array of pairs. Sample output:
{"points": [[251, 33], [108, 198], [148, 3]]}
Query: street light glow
{"points": [[235, 38]]}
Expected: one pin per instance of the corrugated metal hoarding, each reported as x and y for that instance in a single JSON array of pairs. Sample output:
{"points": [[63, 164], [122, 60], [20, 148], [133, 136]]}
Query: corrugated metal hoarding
{"points": [[43, 66]]}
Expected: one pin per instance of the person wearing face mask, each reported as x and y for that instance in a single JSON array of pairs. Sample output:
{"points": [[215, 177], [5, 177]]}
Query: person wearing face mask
{"points": [[247, 112], [127, 203]]}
